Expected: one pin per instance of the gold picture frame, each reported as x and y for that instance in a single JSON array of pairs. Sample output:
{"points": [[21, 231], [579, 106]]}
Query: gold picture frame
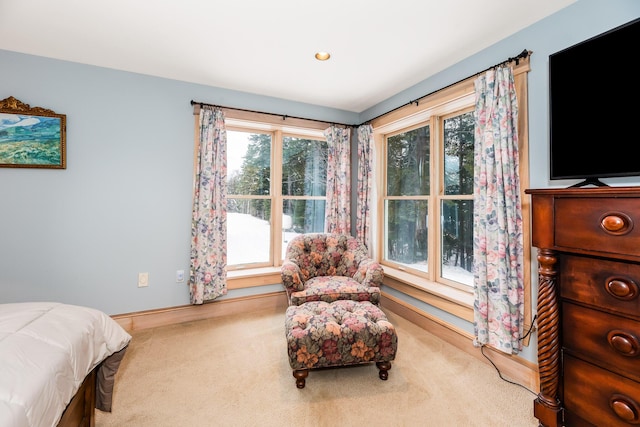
{"points": [[31, 137]]}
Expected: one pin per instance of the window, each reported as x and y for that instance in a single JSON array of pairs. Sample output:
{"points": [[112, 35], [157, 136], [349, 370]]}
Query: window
{"points": [[249, 198], [410, 199], [272, 169], [304, 187], [406, 206], [456, 200]]}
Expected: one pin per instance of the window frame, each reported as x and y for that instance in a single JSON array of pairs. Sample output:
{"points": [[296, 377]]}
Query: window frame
{"points": [[270, 197], [452, 99], [399, 198], [434, 199], [265, 274], [440, 196]]}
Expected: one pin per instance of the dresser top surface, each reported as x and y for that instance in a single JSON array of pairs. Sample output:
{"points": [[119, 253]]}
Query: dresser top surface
{"points": [[586, 191]]}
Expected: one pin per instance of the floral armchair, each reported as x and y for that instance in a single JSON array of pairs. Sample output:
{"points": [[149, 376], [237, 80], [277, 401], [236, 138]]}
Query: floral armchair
{"points": [[330, 267]]}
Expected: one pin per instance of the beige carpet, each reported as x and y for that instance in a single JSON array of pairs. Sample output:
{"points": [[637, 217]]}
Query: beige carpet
{"points": [[234, 371]]}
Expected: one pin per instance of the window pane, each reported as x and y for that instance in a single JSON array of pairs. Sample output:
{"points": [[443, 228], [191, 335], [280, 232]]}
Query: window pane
{"points": [[457, 241], [248, 163], [304, 164], [248, 231], [408, 163], [458, 154], [301, 216], [406, 232]]}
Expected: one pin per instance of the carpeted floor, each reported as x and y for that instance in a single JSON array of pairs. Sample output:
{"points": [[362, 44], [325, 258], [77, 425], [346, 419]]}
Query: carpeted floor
{"points": [[234, 371]]}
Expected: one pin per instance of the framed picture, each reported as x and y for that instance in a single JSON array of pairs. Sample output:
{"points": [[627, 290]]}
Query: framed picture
{"points": [[31, 137]]}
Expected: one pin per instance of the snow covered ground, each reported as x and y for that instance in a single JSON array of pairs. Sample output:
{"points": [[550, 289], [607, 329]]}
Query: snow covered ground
{"points": [[248, 242], [248, 239]]}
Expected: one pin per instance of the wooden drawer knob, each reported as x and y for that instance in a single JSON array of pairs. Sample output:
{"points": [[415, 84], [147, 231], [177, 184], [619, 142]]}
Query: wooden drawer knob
{"points": [[624, 343], [613, 223], [621, 288], [625, 408], [616, 223]]}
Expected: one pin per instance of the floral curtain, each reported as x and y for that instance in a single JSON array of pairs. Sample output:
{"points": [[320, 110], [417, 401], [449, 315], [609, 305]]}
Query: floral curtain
{"points": [[208, 275], [365, 166], [497, 220], [338, 207]]}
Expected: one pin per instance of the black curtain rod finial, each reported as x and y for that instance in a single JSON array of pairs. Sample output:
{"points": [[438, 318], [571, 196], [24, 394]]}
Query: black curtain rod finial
{"points": [[523, 55]]}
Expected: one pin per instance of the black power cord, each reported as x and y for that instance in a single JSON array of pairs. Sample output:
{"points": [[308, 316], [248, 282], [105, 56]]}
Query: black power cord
{"points": [[498, 370]]}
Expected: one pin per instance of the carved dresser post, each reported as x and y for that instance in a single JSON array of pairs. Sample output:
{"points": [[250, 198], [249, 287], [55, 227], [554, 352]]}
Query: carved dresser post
{"points": [[547, 405]]}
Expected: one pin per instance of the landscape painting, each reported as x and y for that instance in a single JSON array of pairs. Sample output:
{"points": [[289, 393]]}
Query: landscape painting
{"points": [[31, 137]]}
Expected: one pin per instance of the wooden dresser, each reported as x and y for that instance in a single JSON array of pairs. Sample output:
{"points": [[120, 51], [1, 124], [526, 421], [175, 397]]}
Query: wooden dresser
{"points": [[588, 242]]}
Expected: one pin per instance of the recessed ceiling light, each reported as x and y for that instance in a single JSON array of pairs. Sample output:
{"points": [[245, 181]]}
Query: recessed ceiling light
{"points": [[322, 56]]}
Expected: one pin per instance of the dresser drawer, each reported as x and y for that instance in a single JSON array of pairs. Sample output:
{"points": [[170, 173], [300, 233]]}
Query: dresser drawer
{"points": [[605, 339], [603, 398], [610, 285], [602, 224]]}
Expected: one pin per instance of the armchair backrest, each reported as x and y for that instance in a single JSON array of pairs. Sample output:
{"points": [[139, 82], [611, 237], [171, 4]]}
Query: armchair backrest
{"points": [[326, 254]]}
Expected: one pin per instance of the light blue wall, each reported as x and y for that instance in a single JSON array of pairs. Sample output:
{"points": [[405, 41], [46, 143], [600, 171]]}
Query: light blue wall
{"points": [[122, 206]]}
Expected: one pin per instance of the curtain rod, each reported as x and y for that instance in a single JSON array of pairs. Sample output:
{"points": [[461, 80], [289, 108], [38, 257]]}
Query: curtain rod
{"points": [[522, 55], [284, 116]]}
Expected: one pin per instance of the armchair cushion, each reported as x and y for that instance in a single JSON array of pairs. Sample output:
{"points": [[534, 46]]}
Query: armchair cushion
{"points": [[329, 267], [334, 288]]}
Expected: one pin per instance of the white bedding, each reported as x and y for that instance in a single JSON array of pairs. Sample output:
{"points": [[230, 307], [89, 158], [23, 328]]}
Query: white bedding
{"points": [[46, 351]]}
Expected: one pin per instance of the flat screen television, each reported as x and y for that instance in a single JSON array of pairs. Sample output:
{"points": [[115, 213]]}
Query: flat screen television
{"points": [[594, 97]]}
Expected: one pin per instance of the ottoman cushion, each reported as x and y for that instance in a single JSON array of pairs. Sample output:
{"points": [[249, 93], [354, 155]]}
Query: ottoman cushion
{"points": [[321, 334]]}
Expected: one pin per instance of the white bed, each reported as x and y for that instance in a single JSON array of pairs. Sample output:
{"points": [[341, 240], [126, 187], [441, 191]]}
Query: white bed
{"points": [[47, 351]]}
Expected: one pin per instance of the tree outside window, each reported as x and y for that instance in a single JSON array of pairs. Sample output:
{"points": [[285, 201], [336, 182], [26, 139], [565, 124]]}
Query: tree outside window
{"points": [[413, 239], [253, 165]]}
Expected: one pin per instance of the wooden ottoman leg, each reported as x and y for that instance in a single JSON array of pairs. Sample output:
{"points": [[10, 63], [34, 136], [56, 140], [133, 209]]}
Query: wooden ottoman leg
{"points": [[300, 375], [384, 369]]}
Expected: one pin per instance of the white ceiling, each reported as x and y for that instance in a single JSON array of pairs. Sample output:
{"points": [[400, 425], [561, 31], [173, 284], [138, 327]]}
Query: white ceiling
{"points": [[378, 48]]}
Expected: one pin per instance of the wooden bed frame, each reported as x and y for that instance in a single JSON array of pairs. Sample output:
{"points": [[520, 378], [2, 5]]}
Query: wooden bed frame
{"points": [[80, 412]]}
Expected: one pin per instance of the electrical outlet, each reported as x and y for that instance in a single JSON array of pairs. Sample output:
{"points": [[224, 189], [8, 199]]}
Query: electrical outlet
{"points": [[143, 280], [180, 276]]}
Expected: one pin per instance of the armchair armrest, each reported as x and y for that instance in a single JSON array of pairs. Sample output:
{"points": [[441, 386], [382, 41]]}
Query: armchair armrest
{"points": [[291, 276], [369, 273]]}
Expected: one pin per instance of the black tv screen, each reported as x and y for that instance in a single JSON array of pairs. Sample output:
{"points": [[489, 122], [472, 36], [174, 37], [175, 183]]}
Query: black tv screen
{"points": [[594, 94]]}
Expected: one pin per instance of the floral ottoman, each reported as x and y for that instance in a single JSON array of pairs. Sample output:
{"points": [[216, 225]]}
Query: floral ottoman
{"points": [[322, 334]]}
